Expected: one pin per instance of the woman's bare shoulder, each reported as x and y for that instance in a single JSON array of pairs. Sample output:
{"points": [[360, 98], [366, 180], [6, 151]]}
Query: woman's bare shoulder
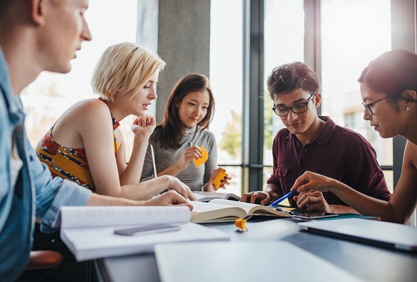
{"points": [[410, 154]]}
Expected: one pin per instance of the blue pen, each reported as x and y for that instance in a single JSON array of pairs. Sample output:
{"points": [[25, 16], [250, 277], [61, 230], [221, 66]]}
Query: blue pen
{"points": [[276, 202]]}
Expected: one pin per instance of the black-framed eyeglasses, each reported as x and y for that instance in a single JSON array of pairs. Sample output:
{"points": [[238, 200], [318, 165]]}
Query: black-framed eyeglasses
{"points": [[298, 108], [368, 106]]}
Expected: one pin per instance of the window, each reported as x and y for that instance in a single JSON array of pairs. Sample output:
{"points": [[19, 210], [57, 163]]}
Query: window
{"points": [[284, 43], [353, 32], [226, 80]]}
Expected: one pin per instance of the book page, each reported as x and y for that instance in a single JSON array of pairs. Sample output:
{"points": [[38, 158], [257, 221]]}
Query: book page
{"points": [[246, 206], [252, 208], [205, 207], [207, 196], [101, 216], [204, 212]]}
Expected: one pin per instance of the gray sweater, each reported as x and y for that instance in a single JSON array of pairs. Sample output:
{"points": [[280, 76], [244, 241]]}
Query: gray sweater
{"points": [[192, 176]]}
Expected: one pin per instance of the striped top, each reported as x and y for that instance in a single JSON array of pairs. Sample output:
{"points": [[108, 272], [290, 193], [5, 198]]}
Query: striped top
{"points": [[69, 163]]}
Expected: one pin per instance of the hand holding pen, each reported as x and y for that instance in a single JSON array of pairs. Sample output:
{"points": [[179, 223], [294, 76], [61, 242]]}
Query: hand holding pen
{"points": [[275, 203]]}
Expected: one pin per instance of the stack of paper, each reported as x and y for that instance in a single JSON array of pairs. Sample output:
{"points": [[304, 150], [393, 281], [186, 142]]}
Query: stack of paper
{"points": [[89, 231]]}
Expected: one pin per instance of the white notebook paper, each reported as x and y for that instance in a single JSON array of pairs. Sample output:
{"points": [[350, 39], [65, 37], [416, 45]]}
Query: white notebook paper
{"points": [[89, 231]]}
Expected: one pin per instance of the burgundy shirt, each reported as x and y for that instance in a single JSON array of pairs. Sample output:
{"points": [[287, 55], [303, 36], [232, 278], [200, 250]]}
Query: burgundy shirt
{"points": [[338, 152]]}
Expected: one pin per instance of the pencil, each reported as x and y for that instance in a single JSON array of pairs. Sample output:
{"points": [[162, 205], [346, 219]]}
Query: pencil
{"points": [[153, 161]]}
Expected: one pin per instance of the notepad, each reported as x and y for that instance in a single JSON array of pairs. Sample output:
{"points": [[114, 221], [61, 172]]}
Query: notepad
{"points": [[243, 262], [89, 232], [203, 159], [379, 233]]}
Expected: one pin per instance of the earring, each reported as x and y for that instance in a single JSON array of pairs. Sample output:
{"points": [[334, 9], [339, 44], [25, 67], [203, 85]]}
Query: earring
{"points": [[408, 109]]}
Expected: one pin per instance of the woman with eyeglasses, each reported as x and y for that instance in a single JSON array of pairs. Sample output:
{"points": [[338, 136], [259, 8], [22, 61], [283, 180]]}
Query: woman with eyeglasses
{"points": [[314, 143], [388, 87]]}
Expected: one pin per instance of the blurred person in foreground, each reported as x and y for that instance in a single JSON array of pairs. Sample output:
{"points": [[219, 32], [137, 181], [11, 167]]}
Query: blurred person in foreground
{"points": [[37, 36]]}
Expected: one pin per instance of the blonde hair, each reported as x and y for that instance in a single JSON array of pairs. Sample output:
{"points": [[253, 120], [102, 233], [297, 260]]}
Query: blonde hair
{"points": [[124, 68]]}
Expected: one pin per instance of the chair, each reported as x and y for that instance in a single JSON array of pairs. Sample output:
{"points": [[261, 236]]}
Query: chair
{"points": [[43, 259], [39, 260]]}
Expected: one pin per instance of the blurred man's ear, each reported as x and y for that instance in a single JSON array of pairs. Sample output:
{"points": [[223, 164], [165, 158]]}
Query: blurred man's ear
{"points": [[37, 11]]}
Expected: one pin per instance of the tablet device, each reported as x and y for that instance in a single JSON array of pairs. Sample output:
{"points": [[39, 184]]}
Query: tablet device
{"points": [[379, 233]]}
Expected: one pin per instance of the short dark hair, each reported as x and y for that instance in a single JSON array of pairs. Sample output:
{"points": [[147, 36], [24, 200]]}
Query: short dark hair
{"points": [[391, 73], [289, 77], [4, 6]]}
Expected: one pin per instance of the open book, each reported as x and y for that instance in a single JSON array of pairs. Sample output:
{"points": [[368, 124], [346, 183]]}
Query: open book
{"points": [[219, 210], [207, 196], [89, 232]]}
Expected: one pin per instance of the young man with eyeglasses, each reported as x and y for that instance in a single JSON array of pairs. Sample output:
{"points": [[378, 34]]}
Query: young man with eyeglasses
{"points": [[315, 143]]}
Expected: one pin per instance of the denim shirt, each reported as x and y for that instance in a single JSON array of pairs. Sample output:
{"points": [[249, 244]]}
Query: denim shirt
{"points": [[35, 194]]}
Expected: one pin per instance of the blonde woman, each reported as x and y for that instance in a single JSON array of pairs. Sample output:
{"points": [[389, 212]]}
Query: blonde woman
{"points": [[85, 144]]}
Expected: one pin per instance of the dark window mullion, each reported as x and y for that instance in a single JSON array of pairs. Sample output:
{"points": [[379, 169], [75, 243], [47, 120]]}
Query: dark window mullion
{"points": [[252, 131]]}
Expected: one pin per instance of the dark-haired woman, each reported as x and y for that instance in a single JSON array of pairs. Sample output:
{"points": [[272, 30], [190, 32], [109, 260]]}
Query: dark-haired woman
{"points": [[183, 136]]}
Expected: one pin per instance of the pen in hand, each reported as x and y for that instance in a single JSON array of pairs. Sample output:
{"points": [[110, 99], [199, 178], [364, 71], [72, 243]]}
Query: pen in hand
{"points": [[276, 202], [153, 161]]}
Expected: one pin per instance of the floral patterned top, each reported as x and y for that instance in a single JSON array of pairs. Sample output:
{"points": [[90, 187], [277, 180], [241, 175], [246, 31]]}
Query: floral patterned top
{"points": [[69, 163]]}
